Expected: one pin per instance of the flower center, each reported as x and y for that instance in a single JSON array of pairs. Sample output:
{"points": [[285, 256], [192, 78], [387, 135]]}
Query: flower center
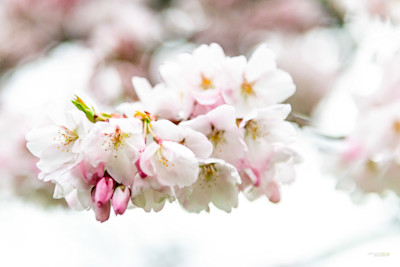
{"points": [[217, 136], [206, 83], [66, 138], [396, 126], [208, 175], [247, 89], [372, 165], [254, 130], [162, 159], [116, 139]]}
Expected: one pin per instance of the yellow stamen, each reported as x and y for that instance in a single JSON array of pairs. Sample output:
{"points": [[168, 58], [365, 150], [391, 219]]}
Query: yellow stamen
{"points": [[206, 83], [253, 129], [396, 127], [372, 165], [217, 136], [247, 89], [208, 175], [66, 137]]}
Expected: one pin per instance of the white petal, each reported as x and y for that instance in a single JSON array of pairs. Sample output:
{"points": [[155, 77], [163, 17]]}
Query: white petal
{"points": [[131, 125], [232, 149], [146, 164], [226, 191], [274, 87], [221, 189], [122, 167], [175, 165], [262, 61], [166, 130], [275, 112], [129, 109], [223, 117], [142, 87], [55, 157], [41, 138], [200, 124], [74, 201], [198, 143], [150, 199]]}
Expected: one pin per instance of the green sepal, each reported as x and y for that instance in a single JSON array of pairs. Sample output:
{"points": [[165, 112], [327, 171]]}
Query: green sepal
{"points": [[89, 112]]}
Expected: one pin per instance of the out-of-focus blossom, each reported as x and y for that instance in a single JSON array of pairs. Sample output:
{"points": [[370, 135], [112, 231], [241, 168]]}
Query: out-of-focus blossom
{"points": [[384, 10], [248, 19], [30, 26], [369, 157], [319, 57], [114, 30], [290, 15], [17, 164]]}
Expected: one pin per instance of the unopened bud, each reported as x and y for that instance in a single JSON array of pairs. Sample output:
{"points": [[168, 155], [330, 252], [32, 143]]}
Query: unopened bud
{"points": [[103, 191], [102, 212], [120, 199]]}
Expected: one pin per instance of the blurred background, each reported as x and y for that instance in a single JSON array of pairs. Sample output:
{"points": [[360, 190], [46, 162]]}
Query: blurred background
{"points": [[344, 57]]}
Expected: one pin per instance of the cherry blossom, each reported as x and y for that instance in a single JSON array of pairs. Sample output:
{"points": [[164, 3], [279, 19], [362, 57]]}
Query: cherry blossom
{"points": [[257, 83], [117, 144], [172, 163], [219, 125], [202, 135], [58, 146], [217, 183], [197, 74]]}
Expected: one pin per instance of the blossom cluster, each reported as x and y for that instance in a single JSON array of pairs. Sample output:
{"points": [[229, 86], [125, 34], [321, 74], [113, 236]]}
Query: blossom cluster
{"points": [[369, 160], [214, 127]]}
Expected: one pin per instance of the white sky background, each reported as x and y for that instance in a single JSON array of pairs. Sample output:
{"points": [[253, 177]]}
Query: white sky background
{"points": [[312, 220]]}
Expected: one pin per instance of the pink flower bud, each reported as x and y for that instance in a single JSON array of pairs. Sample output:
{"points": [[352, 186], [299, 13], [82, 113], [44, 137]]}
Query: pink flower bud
{"points": [[103, 191], [101, 212], [120, 199], [273, 193]]}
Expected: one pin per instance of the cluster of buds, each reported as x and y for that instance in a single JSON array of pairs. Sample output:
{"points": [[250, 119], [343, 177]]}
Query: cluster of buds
{"points": [[214, 127]]}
